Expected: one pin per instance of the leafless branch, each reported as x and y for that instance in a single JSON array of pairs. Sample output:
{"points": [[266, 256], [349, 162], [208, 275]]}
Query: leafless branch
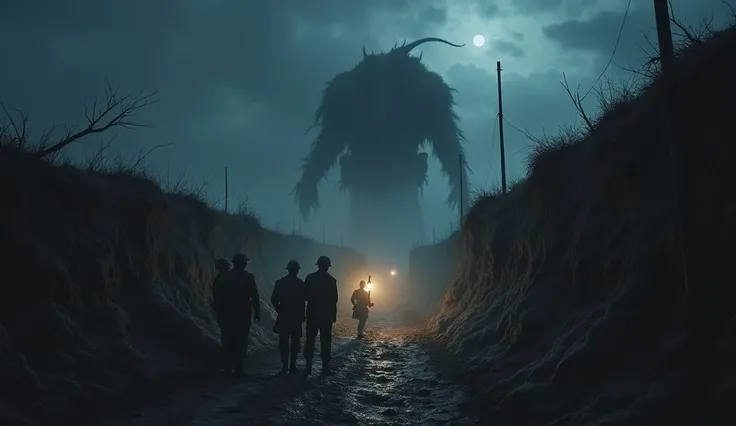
{"points": [[731, 10], [142, 155], [95, 163], [244, 209], [649, 68], [200, 191], [179, 184], [644, 74], [18, 125], [117, 111], [689, 35], [611, 95], [577, 102]]}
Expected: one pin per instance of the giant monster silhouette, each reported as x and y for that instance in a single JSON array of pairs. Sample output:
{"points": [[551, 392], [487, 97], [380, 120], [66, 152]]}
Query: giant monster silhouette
{"points": [[377, 116]]}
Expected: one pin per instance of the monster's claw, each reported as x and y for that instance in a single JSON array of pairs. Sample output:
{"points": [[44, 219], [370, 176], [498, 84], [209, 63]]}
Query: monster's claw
{"points": [[307, 198]]}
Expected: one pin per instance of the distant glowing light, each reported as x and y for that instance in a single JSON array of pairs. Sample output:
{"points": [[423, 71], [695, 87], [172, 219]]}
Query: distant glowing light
{"points": [[393, 272], [479, 40]]}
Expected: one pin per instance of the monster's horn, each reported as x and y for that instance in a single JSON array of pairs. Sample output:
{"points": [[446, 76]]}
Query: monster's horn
{"points": [[405, 49], [364, 54]]}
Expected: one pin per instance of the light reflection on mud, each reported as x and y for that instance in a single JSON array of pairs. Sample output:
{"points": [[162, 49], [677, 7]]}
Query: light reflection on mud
{"points": [[386, 380]]}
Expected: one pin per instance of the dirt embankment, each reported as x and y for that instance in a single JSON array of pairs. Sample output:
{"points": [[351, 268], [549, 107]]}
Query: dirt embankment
{"points": [[106, 284], [431, 271], [571, 307]]}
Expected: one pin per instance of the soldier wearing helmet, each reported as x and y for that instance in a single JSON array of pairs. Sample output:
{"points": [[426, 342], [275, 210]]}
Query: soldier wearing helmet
{"points": [[288, 299], [239, 302], [361, 300], [321, 292]]}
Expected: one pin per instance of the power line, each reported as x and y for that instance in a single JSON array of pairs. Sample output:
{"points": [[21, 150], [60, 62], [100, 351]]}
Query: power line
{"points": [[523, 132], [615, 48]]}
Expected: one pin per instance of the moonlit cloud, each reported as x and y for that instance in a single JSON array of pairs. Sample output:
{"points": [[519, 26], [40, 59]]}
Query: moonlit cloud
{"points": [[239, 81]]}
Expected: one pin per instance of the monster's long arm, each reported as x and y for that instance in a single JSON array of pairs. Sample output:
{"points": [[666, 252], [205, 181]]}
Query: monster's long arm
{"points": [[326, 148], [446, 138]]}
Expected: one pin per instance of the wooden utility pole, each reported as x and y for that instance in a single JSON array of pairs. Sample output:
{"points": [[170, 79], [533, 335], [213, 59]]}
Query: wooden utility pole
{"points": [[500, 129], [225, 189], [434, 235], [324, 233], [664, 36], [705, 316], [667, 64]]}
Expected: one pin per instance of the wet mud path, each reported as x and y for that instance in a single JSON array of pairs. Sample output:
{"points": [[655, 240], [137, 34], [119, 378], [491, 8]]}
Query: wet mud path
{"points": [[385, 379], [388, 380]]}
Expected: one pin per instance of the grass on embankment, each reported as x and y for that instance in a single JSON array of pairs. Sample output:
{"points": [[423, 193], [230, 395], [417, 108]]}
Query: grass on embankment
{"points": [[106, 282], [570, 307]]}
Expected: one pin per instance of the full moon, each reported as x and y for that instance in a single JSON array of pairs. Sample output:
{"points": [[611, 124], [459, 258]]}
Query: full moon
{"points": [[479, 40]]}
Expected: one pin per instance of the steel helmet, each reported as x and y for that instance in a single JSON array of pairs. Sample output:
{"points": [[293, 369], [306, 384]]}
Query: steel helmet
{"points": [[293, 265], [240, 259], [324, 261], [222, 263]]}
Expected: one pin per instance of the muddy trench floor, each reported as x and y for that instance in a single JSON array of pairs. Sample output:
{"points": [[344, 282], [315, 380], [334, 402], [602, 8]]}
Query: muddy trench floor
{"points": [[387, 378]]}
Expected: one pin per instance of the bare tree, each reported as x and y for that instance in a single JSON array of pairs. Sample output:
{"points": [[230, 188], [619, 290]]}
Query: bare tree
{"points": [[116, 111], [577, 101]]}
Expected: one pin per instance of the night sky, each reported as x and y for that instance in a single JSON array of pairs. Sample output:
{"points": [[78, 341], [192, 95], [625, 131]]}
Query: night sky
{"points": [[238, 81]]}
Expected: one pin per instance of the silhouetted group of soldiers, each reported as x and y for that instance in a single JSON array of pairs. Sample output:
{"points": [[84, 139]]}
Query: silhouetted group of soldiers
{"points": [[314, 301]]}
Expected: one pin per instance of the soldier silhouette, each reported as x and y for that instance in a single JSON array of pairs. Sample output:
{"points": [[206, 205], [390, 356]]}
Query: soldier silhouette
{"points": [[361, 300], [321, 292], [239, 306], [288, 298]]}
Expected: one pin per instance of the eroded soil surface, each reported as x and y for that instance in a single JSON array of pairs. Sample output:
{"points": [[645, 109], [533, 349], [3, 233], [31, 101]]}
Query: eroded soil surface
{"points": [[385, 379]]}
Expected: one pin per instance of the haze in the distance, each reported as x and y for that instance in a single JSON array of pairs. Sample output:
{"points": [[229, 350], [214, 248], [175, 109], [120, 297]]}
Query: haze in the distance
{"points": [[238, 82]]}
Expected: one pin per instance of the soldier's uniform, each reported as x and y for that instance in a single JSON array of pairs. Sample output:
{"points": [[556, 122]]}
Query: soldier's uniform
{"points": [[240, 303], [288, 299], [321, 292], [361, 300]]}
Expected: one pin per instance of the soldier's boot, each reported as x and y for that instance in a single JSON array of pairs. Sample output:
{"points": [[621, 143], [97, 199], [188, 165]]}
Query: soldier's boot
{"points": [[284, 364], [292, 365], [326, 371], [308, 367]]}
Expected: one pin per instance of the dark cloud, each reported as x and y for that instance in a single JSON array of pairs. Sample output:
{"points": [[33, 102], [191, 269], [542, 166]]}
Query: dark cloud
{"points": [[433, 15], [533, 104], [537, 6], [598, 34], [569, 7], [487, 8], [518, 36], [511, 48], [238, 81]]}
